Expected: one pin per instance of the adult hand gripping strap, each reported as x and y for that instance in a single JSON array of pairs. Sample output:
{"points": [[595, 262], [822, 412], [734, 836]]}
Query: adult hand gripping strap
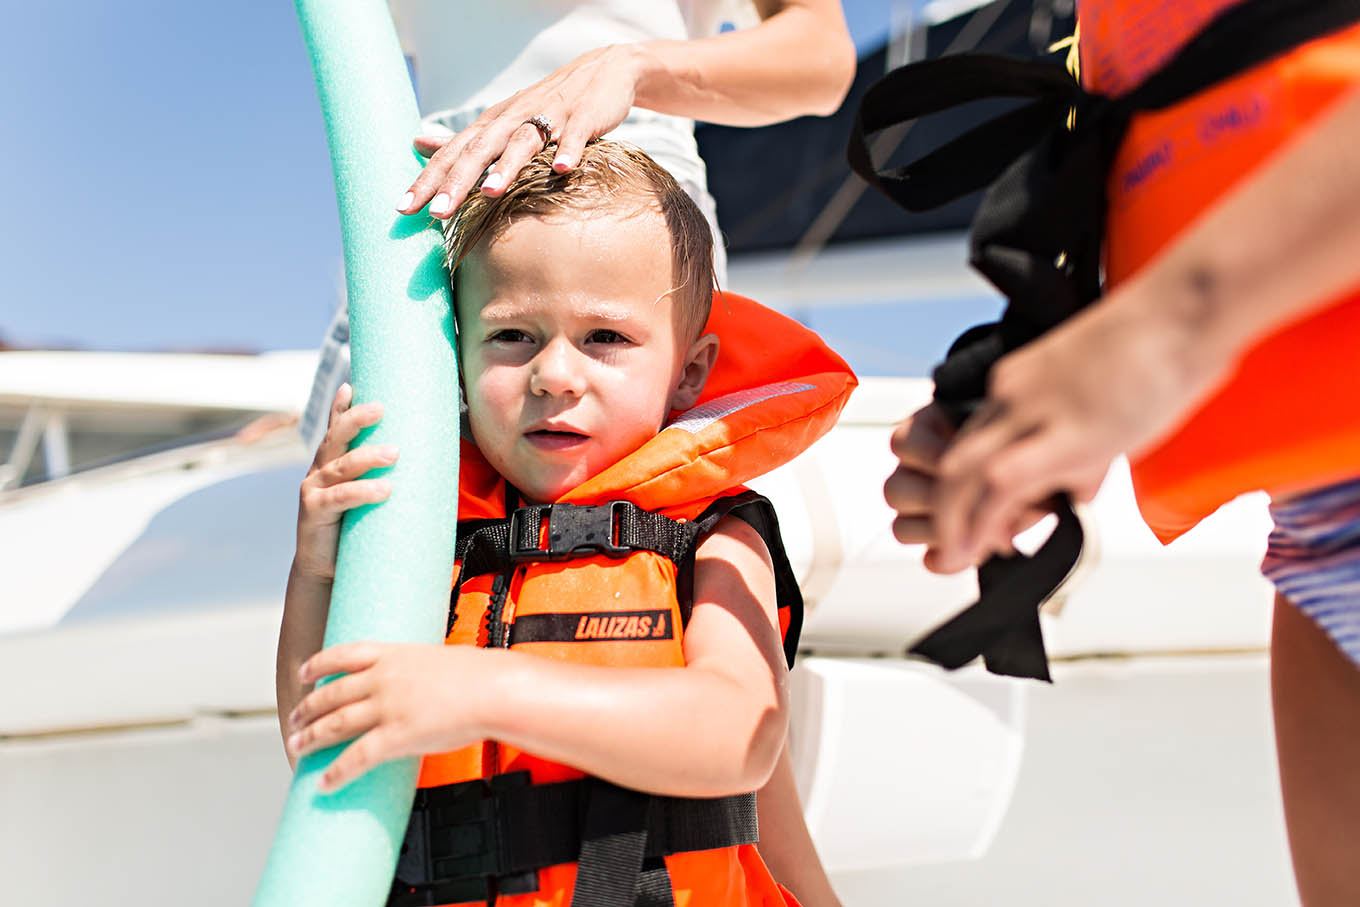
{"points": [[1037, 236]]}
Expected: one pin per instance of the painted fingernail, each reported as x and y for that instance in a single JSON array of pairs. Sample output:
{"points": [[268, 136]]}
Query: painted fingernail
{"points": [[302, 673], [441, 204], [294, 741], [406, 201], [561, 164], [494, 181]]}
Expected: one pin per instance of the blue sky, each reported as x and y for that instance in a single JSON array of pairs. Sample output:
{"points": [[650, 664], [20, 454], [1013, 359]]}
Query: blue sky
{"points": [[165, 178]]}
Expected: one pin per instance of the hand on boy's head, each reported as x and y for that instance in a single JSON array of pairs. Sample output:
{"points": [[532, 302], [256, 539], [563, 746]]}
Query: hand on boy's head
{"points": [[581, 101], [333, 484]]}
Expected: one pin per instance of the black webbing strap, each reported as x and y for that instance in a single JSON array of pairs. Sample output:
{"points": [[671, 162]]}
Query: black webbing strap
{"points": [[756, 511], [468, 839], [617, 528], [612, 846], [1038, 236]]}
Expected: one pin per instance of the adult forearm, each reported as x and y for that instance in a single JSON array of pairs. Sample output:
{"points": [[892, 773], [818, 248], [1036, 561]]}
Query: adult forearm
{"points": [[674, 731], [1280, 245], [301, 632], [798, 61]]}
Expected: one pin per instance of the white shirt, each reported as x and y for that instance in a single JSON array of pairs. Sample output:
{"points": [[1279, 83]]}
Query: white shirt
{"points": [[469, 55]]}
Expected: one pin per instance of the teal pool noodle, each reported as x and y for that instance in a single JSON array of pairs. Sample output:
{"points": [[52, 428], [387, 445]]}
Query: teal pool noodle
{"points": [[396, 558]]}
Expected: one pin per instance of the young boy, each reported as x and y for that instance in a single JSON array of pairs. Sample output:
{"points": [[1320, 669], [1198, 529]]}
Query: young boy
{"points": [[614, 681]]}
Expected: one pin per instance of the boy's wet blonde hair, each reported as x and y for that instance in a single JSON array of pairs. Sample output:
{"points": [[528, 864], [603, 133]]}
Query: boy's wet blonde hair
{"points": [[609, 173]]}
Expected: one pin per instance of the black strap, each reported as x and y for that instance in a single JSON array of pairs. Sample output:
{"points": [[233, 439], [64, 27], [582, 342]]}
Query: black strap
{"points": [[466, 840], [1003, 626], [616, 528], [757, 511], [612, 848], [1038, 236]]}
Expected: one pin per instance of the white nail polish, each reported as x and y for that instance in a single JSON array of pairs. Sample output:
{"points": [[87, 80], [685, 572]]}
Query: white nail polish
{"points": [[406, 201], [440, 204], [494, 181]]}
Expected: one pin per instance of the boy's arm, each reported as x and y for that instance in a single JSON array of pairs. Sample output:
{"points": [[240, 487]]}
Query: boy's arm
{"points": [[712, 728], [785, 842], [305, 606], [331, 487]]}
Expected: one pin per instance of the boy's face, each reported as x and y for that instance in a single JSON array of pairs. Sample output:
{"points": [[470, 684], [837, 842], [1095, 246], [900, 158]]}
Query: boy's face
{"points": [[569, 350]]}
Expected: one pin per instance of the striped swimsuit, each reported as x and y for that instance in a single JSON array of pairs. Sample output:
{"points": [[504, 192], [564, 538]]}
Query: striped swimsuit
{"points": [[1313, 558]]}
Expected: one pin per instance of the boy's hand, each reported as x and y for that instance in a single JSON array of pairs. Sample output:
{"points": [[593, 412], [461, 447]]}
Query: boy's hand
{"points": [[333, 486], [397, 699]]}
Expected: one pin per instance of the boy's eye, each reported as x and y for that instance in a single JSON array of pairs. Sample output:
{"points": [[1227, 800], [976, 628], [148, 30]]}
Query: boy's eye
{"points": [[604, 335], [510, 335]]}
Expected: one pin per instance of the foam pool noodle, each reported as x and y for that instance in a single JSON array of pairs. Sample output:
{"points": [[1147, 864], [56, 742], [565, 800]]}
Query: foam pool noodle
{"points": [[395, 558]]}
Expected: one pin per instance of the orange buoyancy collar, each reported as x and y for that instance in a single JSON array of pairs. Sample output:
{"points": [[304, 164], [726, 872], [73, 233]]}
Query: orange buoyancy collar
{"points": [[1289, 417], [774, 390]]}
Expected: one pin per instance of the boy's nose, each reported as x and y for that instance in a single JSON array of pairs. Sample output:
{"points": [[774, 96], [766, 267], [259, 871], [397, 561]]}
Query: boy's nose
{"points": [[556, 371]]}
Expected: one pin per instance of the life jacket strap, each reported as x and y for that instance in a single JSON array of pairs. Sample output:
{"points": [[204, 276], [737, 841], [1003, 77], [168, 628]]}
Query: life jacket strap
{"points": [[472, 840], [614, 529], [1038, 237]]}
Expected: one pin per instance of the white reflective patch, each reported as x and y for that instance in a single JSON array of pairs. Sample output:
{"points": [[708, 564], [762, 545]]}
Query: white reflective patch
{"points": [[700, 417]]}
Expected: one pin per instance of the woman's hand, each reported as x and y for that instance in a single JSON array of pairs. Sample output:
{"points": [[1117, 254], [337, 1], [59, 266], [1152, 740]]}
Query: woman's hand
{"points": [[333, 486], [1111, 380], [398, 700], [583, 100]]}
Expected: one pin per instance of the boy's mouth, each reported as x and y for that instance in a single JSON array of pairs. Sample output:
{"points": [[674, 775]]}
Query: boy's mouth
{"points": [[555, 439]]}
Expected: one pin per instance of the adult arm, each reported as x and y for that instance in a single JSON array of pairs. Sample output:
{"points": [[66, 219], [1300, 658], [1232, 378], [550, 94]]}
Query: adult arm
{"points": [[798, 60], [1124, 372], [711, 728]]}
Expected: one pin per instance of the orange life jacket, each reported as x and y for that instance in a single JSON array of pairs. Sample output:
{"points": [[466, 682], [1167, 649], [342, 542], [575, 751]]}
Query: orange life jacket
{"points": [[774, 390], [1289, 418]]}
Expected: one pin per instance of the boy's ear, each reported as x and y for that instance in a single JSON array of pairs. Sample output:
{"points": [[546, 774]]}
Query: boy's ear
{"points": [[699, 361]]}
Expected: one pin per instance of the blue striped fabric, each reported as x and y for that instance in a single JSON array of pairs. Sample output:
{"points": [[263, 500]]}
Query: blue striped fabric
{"points": [[1313, 558]]}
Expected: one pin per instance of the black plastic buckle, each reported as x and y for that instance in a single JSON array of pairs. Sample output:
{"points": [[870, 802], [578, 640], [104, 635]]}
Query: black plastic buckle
{"points": [[573, 530]]}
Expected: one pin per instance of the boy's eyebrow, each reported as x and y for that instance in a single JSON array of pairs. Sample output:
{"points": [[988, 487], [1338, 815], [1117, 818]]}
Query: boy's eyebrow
{"points": [[505, 311]]}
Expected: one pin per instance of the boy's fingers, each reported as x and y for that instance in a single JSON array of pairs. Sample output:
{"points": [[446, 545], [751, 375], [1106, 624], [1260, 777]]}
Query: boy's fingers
{"points": [[327, 698], [352, 421], [356, 463], [344, 396], [343, 724], [348, 495], [357, 758], [342, 659]]}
